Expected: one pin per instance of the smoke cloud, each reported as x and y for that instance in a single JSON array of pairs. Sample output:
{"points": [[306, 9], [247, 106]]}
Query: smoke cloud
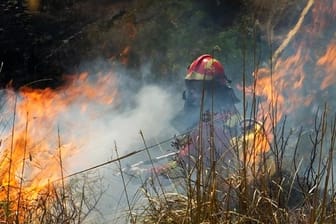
{"points": [[82, 122]]}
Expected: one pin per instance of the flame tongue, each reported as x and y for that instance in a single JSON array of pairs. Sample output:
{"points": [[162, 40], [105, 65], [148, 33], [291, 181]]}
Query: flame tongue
{"points": [[327, 66], [293, 81], [34, 149], [295, 84]]}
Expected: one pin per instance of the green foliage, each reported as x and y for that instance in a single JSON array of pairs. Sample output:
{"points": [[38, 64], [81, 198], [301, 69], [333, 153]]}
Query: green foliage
{"points": [[170, 39]]}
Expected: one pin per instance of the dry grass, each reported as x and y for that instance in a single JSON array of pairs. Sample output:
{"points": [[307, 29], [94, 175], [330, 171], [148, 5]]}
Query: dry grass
{"points": [[280, 176], [71, 203], [298, 189], [290, 180]]}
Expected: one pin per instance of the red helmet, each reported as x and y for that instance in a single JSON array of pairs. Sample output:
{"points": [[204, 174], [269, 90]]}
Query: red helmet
{"points": [[207, 68]]}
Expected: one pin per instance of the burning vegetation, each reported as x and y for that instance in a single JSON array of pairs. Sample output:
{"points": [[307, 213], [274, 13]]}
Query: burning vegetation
{"points": [[290, 95], [34, 152], [284, 161]]}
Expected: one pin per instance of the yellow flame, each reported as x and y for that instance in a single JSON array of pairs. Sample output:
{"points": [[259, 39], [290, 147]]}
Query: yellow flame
{"points": [[33, 5], [31, 156]]}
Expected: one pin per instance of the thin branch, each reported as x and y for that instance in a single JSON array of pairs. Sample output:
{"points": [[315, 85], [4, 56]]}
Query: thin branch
{"points": [[22, 171], [293, 31], [124, 184], [10, 160], [61, 167]]}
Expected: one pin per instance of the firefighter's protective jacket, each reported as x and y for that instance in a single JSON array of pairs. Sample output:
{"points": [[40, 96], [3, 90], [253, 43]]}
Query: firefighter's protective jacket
{"points": [[209, 143]]}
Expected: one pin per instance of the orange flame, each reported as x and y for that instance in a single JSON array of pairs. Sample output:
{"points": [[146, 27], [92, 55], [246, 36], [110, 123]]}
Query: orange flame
{"points": [[276, 86], [293, 81], [282, 85], [328, 65], [33, 153]]}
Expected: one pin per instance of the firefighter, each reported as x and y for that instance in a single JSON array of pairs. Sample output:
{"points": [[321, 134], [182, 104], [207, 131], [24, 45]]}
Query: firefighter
{"points": [[207, 90], [215, 133], [209, 108], [220, 137]]}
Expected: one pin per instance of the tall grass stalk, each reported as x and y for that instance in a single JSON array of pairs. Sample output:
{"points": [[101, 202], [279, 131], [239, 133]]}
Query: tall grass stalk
{"points": [[61, 169], [153, 166], [8, 202], [199, 160], [133, 220], [288, 178], [22, 171]]}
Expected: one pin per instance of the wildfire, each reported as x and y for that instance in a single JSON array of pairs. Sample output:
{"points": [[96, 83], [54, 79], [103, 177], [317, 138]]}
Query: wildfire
{"points": [[327, 64], [301, 73], [34, 149], [293, 81]]}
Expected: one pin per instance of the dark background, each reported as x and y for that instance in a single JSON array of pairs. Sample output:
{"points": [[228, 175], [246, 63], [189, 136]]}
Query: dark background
{"points": [[41, 40]]}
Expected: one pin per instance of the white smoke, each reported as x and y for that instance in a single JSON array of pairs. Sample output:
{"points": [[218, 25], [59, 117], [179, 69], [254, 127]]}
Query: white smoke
{"points": [[149, 108], [152, 113], [92, 135]]}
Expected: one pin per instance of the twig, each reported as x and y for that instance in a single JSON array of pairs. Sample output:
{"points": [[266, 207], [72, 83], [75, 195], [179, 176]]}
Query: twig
{"points": [[119, 158], [10, 160], [124, 184], [293, 31], [329, 170], [152, 163], [22, 171], [37, 81], [61, 167]]}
